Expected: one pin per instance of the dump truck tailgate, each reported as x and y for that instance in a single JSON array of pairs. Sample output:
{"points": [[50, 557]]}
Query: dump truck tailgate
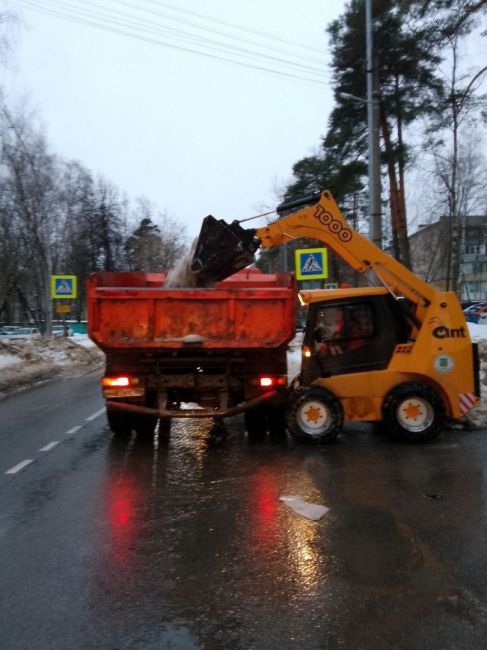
{"points": [[251, 311]]}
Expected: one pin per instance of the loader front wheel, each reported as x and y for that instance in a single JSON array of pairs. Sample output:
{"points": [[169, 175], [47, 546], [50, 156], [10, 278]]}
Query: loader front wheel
{"points": [[314, 415], [413, 412]]}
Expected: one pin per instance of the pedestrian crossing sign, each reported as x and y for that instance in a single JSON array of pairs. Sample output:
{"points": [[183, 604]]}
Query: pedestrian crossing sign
{"points": [[311, 263], [64, 286]]}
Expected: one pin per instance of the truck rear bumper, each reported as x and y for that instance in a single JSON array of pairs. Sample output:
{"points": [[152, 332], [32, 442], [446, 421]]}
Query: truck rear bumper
{"points": [[116, 405]]}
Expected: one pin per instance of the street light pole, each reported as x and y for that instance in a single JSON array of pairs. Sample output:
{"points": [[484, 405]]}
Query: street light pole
{"points": [[375, 224]]}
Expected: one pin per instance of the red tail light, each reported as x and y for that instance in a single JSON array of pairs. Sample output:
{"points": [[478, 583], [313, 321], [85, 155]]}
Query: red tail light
{"points": [[270, 382], [122, 381]]}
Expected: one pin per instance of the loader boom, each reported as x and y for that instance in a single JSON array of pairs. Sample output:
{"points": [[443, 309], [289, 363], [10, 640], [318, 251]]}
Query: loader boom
{"points": [[323, 220]]}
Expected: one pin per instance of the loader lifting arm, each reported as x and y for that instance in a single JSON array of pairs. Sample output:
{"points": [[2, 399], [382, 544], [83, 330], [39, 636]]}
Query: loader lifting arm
{"points": [[323, 220], [318, 217]]}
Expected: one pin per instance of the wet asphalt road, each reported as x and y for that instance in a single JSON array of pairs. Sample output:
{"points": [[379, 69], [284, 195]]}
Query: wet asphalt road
{"points": [[108, 543]]}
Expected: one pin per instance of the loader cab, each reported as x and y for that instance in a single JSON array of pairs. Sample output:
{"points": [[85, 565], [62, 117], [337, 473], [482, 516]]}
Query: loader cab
{"points": [[351, 331]]}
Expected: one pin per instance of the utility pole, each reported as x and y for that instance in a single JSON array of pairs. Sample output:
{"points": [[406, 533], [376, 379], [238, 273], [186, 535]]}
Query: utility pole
{"points": [[375, 224]]}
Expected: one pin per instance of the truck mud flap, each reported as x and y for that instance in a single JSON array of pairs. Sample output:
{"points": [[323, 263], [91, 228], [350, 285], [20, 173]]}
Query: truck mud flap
{"points": [[193, 413]]}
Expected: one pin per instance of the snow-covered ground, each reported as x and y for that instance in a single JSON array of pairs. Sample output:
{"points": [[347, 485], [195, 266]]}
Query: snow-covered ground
{"points": [[26, 362]]}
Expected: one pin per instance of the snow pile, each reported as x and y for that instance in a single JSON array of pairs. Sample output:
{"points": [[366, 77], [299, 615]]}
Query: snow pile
{"points": [[477, 418], [294, 356], [25, 361]]}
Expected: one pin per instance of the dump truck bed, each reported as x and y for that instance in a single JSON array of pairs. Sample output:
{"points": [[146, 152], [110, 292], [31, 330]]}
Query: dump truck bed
{"points": [[248, 310]]}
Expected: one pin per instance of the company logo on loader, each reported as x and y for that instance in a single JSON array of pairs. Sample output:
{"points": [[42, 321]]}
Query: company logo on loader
{"points": [[443, 332], [333, 225]]}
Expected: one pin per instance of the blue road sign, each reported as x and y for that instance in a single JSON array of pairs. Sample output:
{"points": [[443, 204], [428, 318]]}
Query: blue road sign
{"points": [[311, 263], [63, 286]]}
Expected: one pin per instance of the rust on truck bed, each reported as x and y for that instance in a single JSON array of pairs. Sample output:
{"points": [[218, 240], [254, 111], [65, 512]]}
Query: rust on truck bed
{"points": [[248, 310]]}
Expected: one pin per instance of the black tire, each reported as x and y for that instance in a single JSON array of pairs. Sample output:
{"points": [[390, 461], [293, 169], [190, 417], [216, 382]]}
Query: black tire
{"points": [[276, 420], [144, 425], [164, 427], [413, 412], [255, 422], [120, 423], [321, 422]]}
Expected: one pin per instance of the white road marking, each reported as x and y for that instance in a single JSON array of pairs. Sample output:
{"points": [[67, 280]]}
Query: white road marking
{"points": [[50, 445], [73, 430], [17, 468], [95, 415]]}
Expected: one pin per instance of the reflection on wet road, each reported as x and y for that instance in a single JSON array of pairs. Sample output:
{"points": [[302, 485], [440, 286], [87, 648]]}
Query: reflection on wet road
{"points": [[184, 543], [198, 536]]}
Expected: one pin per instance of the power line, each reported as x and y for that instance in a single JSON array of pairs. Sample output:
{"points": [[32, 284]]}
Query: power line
{"points": [[233, 26], [226, 34], [107, 23], [134, 22]]}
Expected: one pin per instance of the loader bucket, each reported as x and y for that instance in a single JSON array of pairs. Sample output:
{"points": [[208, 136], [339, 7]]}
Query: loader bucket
{"points": [[221, 250]]}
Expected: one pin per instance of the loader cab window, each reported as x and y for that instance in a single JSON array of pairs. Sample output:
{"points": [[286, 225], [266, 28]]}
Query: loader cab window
{"points": [[342, 328], [352, 335]]}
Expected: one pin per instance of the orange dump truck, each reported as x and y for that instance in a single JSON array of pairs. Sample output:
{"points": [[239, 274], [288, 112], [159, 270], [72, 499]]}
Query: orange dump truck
{"points": [[207, 352]]}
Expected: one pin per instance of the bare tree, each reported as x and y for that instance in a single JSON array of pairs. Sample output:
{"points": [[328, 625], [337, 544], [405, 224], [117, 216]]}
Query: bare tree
{"points": [[30, 174]]}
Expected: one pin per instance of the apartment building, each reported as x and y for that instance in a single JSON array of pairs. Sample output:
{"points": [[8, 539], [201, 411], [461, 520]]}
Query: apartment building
{"points": [[431, 255]]}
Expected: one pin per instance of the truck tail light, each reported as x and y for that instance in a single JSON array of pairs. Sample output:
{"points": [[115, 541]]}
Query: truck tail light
{"points": [[271, 382], [121, 381], [122, 386]]}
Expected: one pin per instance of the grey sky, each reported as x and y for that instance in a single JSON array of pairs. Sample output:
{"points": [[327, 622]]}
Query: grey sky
{"points": [[193, 134]]}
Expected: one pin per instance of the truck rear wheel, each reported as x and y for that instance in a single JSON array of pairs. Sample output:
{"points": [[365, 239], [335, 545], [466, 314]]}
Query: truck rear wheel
{"points": [[119, 423], [255, 422], [276, 420], [314, 415], [413, 412], [144, 425], [263, 418], [164, 427]]}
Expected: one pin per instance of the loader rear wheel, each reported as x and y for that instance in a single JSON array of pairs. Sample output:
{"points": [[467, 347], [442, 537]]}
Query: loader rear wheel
{"points": [[314, 415], [120, 423], [413, 412]]}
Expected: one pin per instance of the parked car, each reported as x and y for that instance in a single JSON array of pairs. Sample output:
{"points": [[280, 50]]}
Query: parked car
{"points": [[23, 333], [58, 330], [473, 313], [9, 329]]}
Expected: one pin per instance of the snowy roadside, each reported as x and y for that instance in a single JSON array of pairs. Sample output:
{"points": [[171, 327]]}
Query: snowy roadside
{"points": [[23, 362]]}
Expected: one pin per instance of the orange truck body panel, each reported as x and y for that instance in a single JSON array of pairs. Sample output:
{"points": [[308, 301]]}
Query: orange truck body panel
{"points": [[248, 310]]}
